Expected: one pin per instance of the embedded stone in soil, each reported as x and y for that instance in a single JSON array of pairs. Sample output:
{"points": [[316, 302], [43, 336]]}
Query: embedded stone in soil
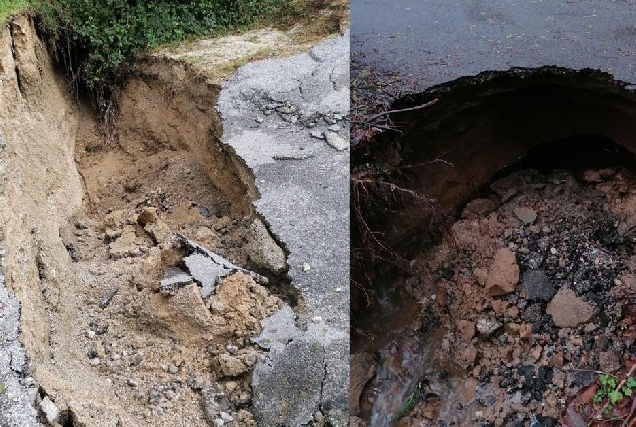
{"points": [[523, 341]]}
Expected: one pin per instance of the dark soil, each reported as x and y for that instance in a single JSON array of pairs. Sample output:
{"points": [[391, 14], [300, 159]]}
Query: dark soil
{"points": [[530, 288]]}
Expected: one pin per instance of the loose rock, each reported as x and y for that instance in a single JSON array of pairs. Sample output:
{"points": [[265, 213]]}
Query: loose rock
{"points": [[503, 274], [568, 310]]}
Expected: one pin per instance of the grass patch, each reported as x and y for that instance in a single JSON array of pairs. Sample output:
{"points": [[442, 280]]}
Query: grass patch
{"points": [[230, 68], [317, 18], [11, 7]]}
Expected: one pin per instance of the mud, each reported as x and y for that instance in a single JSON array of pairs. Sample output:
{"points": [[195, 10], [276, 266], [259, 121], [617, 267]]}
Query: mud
{"points": [[89, 228]]}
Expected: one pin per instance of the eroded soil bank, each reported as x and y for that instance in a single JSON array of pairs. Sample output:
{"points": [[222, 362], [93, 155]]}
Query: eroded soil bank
{"points": [[515, 276], [89, 233]]}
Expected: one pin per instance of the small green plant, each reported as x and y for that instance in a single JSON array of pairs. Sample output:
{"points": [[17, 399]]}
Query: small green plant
{"points": [[3, 388], [608, 390], [303, 394], [416, 395]]}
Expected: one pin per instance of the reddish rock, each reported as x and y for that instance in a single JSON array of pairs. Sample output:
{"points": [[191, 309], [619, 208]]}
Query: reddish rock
{"points": [[535, 353], [591, 176], [478, 208], [481, 275], [512, 328], [503, 274], [466, 330], [557, 359], [505, 188], [525, 214], [525, 331], [568, 310]]}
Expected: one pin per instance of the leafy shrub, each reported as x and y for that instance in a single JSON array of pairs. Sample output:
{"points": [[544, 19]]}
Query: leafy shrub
{"points": [[97, 40]]}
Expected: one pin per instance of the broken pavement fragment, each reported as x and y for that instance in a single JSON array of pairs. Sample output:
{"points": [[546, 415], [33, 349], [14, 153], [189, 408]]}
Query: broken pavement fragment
{"points": [[305, 203], [205, 267], [173, 279]]}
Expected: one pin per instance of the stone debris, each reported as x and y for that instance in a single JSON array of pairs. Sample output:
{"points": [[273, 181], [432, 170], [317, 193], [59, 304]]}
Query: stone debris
{"points": [[503, 274], [487, 327], [105, 300], [336, 141], [568, 310], [50, 411], [478, 208], [317, 134], [591, 176], [562, 242], [538, 285], [525, 214]]}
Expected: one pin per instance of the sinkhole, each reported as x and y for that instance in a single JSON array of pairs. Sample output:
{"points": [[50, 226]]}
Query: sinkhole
{"points": [[492, 251]]}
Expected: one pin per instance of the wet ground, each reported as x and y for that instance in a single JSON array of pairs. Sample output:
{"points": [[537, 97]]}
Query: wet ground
{"points": [[408, 46], [434, 41], [521, 306]]}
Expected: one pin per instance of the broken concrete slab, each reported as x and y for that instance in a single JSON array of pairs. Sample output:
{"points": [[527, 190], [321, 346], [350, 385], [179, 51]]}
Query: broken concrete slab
{"points": [[173, 279], [264, 251], [206, 271], [278, 330], [206, 268], [288, 388]]}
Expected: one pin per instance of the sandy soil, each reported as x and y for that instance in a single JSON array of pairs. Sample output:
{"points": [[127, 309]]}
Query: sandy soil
{"points": [[89, 232]]}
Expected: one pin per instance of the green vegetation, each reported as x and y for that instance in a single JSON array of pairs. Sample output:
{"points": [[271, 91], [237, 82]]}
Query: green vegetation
{"points": [[608, 390], [3, 388], [416, 395], [318, 17], [97, 40], [10, 7]]}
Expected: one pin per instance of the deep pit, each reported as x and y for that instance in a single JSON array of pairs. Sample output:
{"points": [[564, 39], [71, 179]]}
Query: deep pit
{"points": [[89, 230], [493, 252]]}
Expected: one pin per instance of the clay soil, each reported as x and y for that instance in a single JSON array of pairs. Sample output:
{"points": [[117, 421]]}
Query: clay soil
{"points": [[522, 305]]}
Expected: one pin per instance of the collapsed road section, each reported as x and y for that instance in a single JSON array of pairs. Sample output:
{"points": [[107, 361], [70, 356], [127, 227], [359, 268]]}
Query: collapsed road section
{"points": [[145, 274], [287, 118]]}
